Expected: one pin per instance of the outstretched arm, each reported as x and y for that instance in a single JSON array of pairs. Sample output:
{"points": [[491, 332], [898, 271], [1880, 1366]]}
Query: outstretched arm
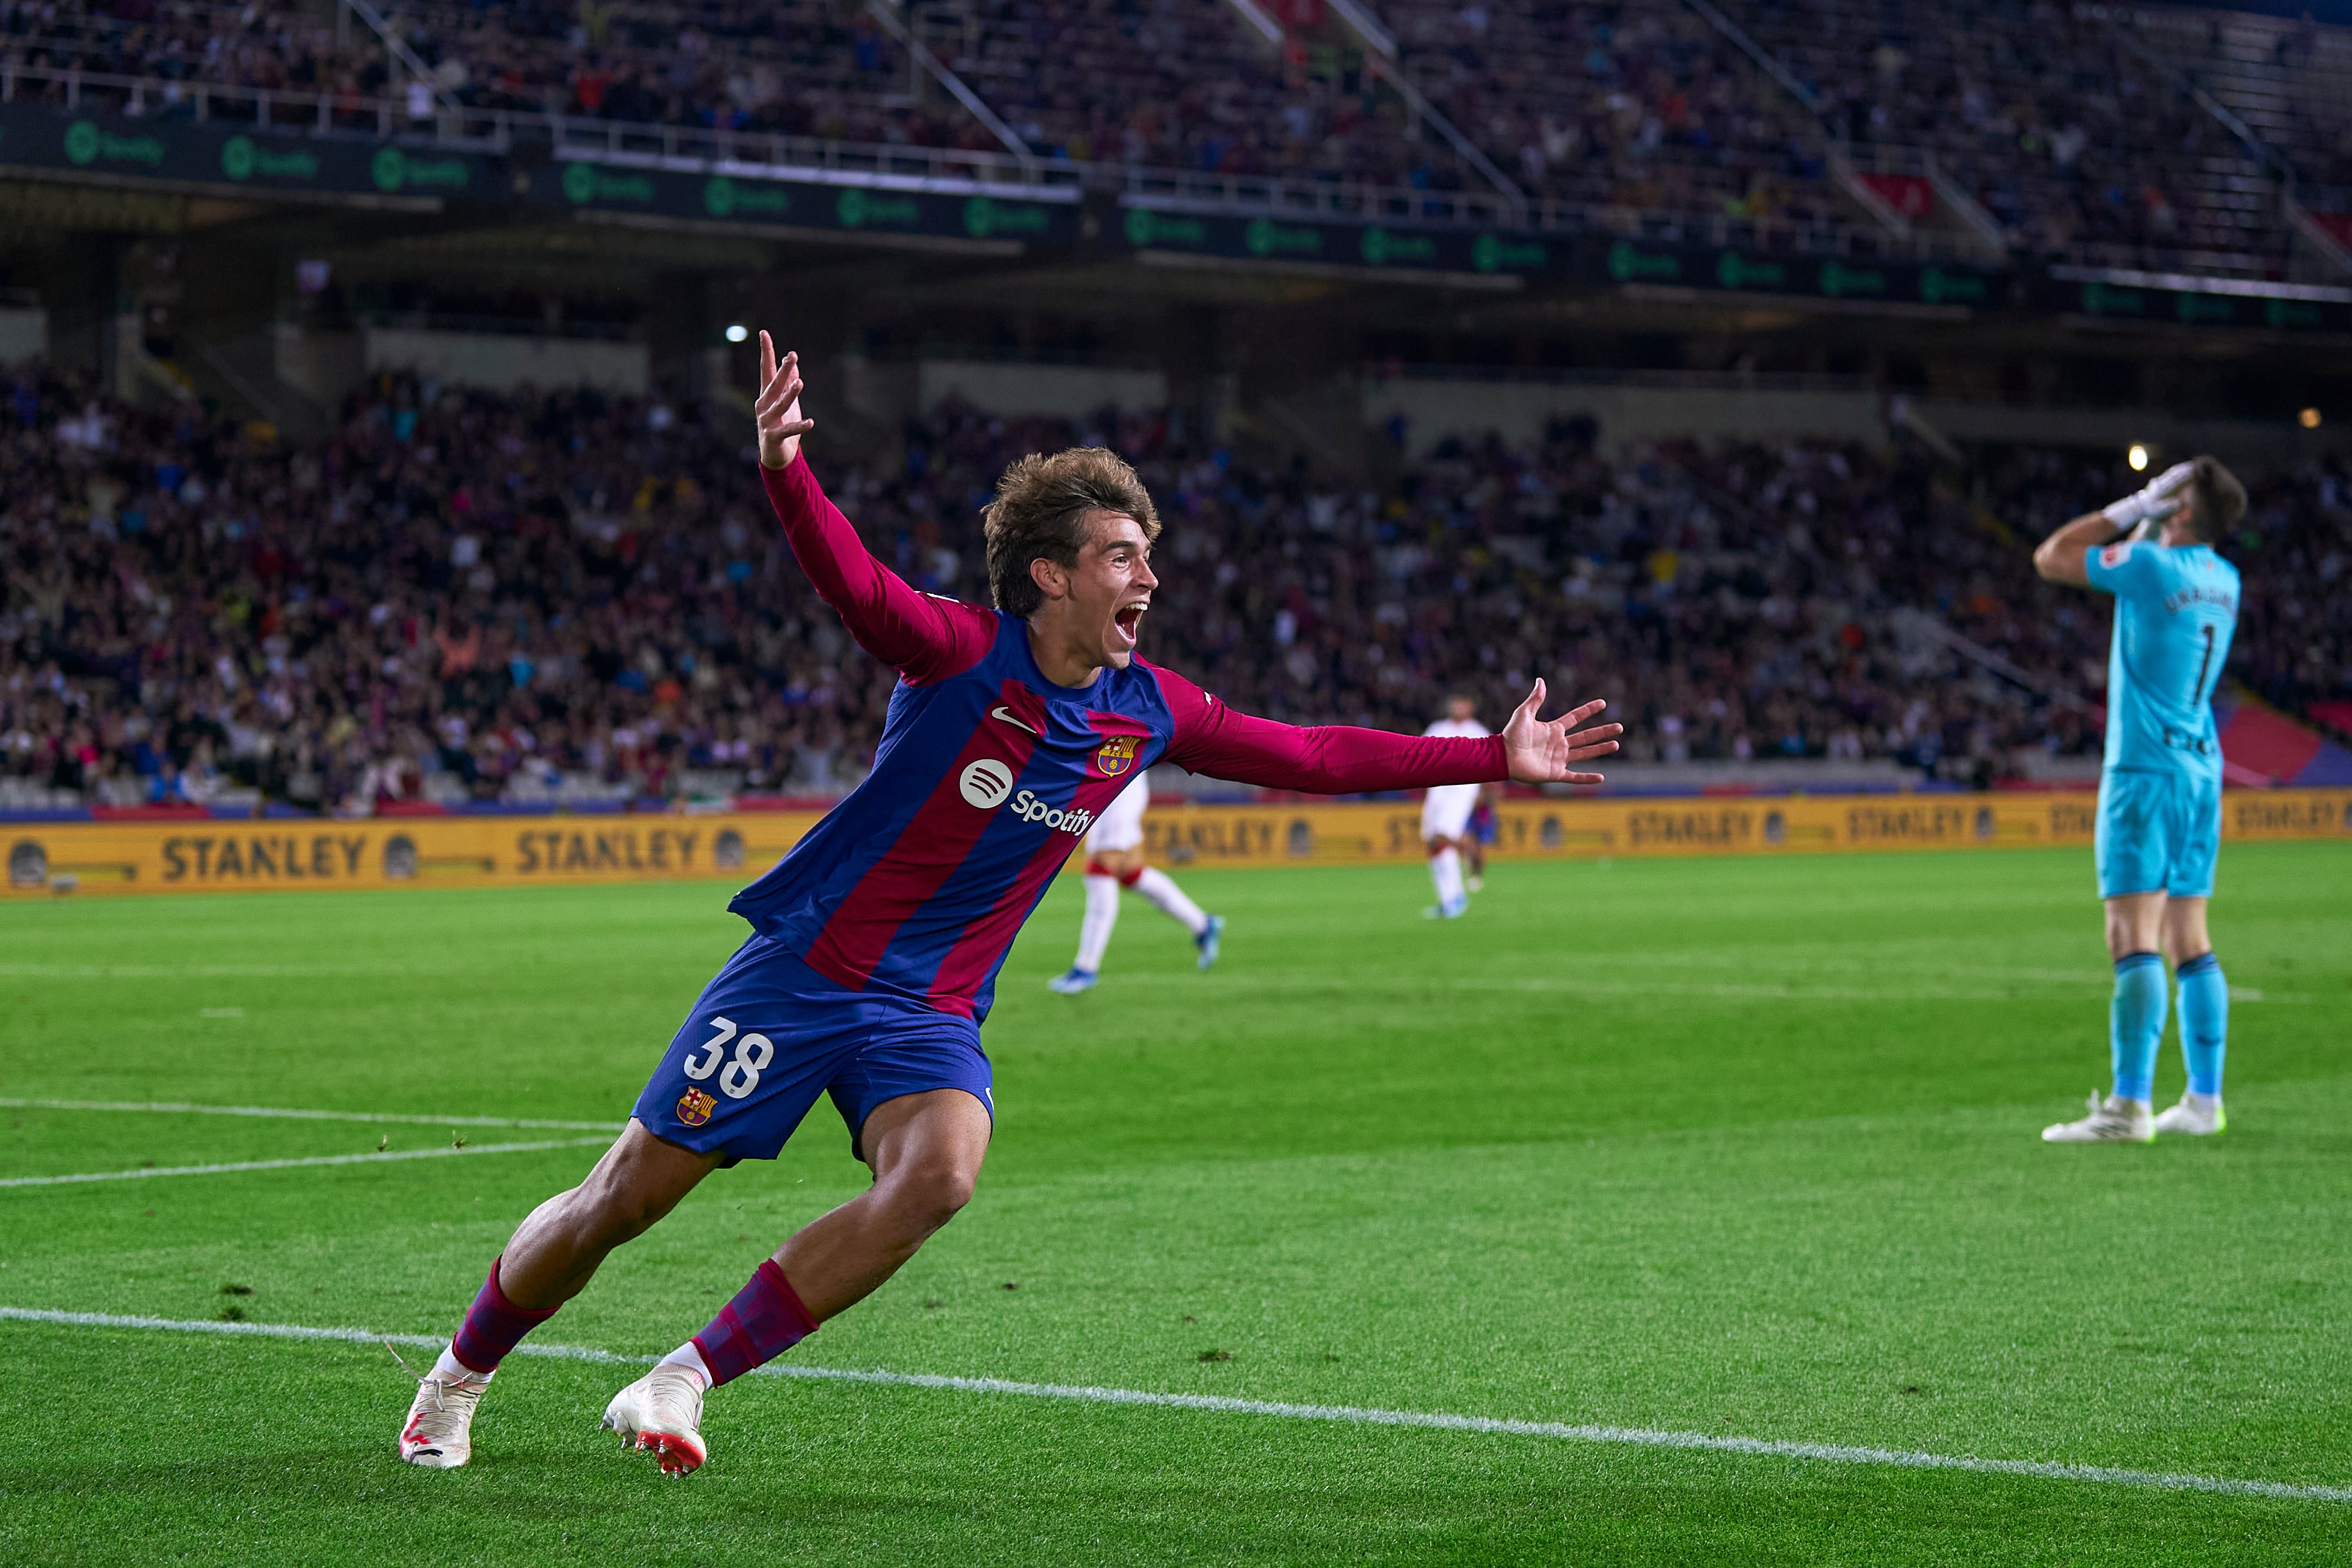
{"points": [[1337, 759], [922, 636]]}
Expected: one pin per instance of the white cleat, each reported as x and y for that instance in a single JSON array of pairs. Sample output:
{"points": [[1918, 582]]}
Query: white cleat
{"points": [[2196, 1121], [439, 1431], [1454, 909], [662, 1414], [2111, 1121]]}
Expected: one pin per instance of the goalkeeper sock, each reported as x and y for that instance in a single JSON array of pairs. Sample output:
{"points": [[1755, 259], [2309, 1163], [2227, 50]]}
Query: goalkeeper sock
{"points": [[2136, 1023], [2204, 1023], [493, 1326], [764, 1319]]}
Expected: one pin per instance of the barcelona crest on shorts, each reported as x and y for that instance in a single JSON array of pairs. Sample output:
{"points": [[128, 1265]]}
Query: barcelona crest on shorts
{"points": [[1116, 755], [694, 1107]]}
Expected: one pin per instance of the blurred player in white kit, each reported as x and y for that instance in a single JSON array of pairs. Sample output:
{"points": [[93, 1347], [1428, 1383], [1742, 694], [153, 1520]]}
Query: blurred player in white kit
{"points": [[1445, 817], [1115, 860]]}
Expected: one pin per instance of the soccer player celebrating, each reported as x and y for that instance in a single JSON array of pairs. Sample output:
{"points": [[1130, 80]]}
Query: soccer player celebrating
{"points": [[876, 942], [1445, 815], [2159, 826], [1115, 860]]}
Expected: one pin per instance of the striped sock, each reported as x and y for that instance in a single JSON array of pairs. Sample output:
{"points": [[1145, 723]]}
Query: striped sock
{"points": [[764, 1319], [493, 1326]]}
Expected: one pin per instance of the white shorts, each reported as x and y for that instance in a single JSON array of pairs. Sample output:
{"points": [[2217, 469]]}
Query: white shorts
{"points": [[1121, 826], [1445, 809]]}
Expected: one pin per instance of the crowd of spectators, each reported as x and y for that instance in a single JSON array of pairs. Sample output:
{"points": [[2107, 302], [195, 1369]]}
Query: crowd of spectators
{"points": [[572, 599], [1639, 104], [2286, 77], [174, 43], [2046, 111]]}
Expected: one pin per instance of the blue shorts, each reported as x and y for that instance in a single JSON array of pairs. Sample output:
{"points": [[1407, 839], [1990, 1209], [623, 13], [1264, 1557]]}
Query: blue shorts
{"points": [[769, 1034], [1483, 826], [2157, 832]]}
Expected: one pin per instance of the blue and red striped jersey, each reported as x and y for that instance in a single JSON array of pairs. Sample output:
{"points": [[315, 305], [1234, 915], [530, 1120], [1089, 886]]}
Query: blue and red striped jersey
{"points": [[988, 775]]}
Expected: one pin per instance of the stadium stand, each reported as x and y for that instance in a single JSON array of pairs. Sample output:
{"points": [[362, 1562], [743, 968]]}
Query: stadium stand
{"points": [[567, 599], [1643, 108], [1181, 84], [2074, 128], [2070, 125], [2054, 116], [2285, 80]]}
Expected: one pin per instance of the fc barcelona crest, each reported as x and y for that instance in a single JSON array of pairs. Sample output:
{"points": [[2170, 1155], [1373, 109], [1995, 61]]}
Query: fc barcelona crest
{"points": [[1116, 755], [694, 1107]]}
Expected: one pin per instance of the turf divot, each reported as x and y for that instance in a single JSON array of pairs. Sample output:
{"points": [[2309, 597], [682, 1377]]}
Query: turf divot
{"points": [[1632, 1437]]}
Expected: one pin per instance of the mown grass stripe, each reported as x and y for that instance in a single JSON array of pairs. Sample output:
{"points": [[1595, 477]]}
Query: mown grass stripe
{"points": [[1633, 1436], [399, 1118], [373, 1157]]}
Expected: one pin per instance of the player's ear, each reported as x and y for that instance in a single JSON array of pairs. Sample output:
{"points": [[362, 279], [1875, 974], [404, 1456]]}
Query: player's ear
{"points": [[1052, 580]]}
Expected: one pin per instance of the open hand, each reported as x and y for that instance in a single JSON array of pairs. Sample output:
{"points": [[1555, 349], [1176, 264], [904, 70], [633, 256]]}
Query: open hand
{"points": [[1538, 751], [777, 414]]}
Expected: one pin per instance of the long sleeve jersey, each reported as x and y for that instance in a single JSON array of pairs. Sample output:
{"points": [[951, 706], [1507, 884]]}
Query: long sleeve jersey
{"points": [[988, 775]]}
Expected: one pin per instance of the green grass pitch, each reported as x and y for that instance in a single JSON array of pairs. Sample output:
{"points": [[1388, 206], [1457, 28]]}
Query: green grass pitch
{"points": [[1741, 1147]]}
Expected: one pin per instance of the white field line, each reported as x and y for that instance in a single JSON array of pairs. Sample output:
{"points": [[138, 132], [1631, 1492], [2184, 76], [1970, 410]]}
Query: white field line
{"points": [[367, 1159], [1631, 1437], [1605, 985], [296, 1115]]}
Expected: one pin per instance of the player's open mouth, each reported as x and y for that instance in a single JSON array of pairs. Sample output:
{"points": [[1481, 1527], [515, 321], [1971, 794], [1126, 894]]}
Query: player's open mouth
{"points": [[1129, 618]]}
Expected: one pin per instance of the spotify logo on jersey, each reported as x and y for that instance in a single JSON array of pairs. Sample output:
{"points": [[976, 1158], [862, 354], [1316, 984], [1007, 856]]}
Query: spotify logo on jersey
{"points": [[986, 783]]}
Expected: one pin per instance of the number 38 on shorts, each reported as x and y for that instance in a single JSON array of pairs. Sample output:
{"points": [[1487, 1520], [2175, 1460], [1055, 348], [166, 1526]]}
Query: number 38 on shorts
{"points": [[742, 1074]]}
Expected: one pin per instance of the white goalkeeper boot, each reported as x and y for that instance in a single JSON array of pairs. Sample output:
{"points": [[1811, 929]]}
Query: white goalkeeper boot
{"points": [[439, 1431], [2198, 1115], [2111, 1121], [662, 1414]]}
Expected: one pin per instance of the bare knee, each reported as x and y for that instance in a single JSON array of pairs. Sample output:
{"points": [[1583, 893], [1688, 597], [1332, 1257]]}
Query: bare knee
{"points": [[2121, 937], [2185, 936], [929, 1194]]}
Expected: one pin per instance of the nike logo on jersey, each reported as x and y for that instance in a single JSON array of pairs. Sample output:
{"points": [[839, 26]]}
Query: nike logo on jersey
{"points": [[999, 711]]}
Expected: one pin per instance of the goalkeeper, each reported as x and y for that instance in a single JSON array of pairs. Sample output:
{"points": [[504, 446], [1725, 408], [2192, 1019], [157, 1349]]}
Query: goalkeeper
{"points": [[2159, 824]]}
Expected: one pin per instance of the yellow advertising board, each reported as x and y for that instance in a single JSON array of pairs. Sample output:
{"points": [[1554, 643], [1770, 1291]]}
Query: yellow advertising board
{"points": [[455, 852], [1276, 834]]}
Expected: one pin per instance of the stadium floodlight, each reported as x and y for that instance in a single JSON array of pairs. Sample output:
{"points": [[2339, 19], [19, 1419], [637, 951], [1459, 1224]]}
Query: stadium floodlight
{"points": [[2138, 458], [736, 332], [2308, 419]]}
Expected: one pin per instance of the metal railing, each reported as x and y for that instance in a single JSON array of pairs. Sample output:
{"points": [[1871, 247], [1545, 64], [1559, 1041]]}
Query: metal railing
{"points": [[268, 109]]}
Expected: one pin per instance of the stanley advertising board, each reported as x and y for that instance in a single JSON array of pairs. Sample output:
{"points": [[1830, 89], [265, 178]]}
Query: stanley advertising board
{"points": [[215, 153], [472, 851], [393, 851], [583, 185]]}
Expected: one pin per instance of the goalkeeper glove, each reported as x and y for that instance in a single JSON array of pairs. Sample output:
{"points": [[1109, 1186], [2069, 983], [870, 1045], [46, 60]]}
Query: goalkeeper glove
{"points": [[2157, 499]]}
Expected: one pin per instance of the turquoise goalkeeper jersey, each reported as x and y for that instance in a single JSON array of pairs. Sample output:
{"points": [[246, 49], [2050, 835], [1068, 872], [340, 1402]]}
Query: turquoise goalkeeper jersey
{"points": [[2174, 611]]}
